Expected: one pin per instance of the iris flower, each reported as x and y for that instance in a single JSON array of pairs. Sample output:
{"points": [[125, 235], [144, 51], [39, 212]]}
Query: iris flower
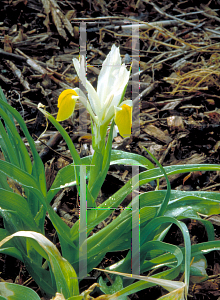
{"points": [[104, 104]]}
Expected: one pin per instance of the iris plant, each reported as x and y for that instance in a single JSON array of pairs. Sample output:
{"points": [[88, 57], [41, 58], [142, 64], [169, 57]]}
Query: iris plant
{"points": [[104, 104], [24, 214]]}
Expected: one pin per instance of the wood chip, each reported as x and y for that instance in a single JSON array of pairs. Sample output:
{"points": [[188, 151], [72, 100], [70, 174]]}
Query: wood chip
{"points": [[175, 123], [158, 134]]}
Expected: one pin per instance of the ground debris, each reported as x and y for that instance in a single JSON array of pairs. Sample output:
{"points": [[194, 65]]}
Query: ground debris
{"points": [[175, 89]]}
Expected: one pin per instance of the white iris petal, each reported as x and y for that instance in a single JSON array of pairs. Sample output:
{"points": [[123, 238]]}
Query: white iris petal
{"points": [[108, 74], [83, 99], [93, 97]]}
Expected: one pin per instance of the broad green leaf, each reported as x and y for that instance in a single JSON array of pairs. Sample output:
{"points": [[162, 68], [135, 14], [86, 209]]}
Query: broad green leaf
{"points": [[203, 202], [178, 288], [146, 240], [12, 251], [183, 207], [43, 278], [13, 222], [11, 291], [64, 274], [31, 187], [162, 255], [119, 157], [3, 182], [66, 176], [7, 138], [14, 202], [20, 176], [125, 215], [145, 177], [9, 247], [155, 173], [205, 247], [61, 227], [158, 261], [116, 286], [96, 244], [150, 230]]}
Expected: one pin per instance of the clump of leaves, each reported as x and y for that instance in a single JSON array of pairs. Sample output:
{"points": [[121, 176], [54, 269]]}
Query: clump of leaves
{"points": [[157, 209]]}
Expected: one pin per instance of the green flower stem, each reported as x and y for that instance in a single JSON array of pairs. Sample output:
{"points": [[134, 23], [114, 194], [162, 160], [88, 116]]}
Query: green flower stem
{"points": [[97, 159], [102, 154]]}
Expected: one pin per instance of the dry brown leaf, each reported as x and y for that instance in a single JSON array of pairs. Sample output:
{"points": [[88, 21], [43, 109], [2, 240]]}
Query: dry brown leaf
{"points": [[58, 23], [71, 14], [46, 5], [7, 44], [102, 4], [60, 20], [20, 37]]}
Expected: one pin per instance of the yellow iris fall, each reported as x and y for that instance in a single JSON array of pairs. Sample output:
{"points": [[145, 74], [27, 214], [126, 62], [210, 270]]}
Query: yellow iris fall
{"points": [[66, 104], [123, 119]]}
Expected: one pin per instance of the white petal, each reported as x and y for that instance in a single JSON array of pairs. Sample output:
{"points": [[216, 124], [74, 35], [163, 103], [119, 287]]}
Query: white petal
{"points": [[83, 99], [108, 74], [80, 70], [123, 77], [127, 102], [93, 96], [118, 91], [115, 131]]}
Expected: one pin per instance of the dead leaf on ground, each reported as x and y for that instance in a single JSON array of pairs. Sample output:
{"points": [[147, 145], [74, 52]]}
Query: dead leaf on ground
{"points": [[61, 22]]}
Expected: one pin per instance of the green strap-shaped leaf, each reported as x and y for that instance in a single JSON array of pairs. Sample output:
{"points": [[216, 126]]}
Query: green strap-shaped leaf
{"points": [[38, 167], [151, 229], [17, 145], [74, 153], [9, 153], [2, 97]]}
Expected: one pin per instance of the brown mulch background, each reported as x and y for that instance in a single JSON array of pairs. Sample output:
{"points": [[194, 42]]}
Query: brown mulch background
{"points": [[178, 84]]}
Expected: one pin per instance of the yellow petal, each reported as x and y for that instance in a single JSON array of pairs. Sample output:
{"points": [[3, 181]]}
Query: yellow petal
{"points": [[123, 119], [66, 104]]}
